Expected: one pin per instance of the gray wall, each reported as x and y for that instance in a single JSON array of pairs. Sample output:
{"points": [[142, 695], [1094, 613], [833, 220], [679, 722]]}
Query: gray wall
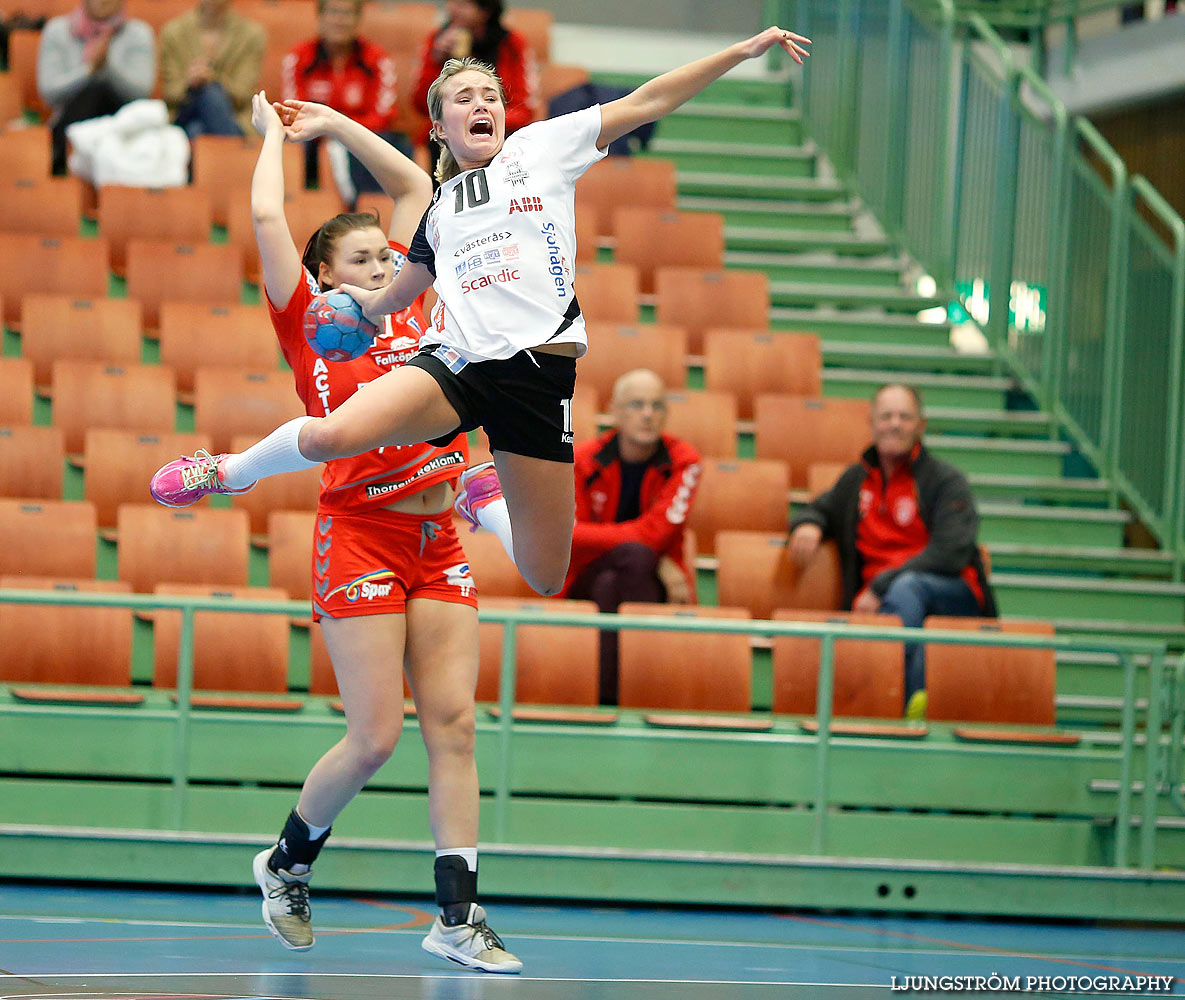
{"points": [[720, 16]]}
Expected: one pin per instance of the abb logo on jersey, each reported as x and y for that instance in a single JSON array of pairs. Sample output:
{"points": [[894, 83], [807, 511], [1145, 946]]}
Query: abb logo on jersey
{"points": [[528, 204]]}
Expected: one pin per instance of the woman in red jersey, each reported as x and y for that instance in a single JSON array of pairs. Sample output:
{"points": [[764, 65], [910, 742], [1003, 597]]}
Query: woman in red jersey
{"points": [[391, 583]]}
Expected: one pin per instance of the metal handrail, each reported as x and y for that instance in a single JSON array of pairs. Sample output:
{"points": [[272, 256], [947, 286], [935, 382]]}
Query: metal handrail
{"points": [[1126, 650]]}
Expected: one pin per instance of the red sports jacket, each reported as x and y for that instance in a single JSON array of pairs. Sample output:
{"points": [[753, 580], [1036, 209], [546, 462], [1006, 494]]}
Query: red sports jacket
{"points": [[364, 89], [668, 489]]}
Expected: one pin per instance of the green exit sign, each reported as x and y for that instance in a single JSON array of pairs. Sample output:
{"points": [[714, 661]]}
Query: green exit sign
{"points": [[1026, 305]]}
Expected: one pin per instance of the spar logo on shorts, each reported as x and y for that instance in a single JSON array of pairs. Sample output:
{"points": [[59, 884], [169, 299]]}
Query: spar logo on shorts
{"points": [[367, 587], [459, 576]]}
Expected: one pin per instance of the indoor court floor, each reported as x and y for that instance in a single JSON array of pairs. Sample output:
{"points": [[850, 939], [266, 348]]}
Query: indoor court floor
{"points": [[71, 942]]}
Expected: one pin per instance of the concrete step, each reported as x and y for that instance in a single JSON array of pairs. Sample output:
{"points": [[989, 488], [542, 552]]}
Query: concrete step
{"points": [[774, 239], [998, 423], [862, 326], [799, 215], [1047, 525], [763, 159], [726, 122], [1108, 561], [842, 296], [823, 267], [1053, 596], [723, 184], [1021, 457], [974, 392], [1008, 486], [908, 358]]}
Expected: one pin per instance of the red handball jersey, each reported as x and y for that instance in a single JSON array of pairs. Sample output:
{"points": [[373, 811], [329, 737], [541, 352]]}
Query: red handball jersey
{"points": [[376, 478]]}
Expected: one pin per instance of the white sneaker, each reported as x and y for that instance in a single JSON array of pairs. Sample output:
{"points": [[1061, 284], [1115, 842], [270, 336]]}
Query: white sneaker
{"points": [[472, 944], [285, 903]]}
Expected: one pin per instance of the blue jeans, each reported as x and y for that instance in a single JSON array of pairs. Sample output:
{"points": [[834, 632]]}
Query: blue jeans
{"points": [[913, 596], [208, 111]]}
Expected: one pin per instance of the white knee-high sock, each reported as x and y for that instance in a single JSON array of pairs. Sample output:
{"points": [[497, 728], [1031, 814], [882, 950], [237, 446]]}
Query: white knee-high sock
{"points": [[276, 453], [495, 517]]}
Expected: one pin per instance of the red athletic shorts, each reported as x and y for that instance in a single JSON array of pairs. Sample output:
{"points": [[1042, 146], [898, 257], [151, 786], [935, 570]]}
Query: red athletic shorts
{"points": [[373, 563]]}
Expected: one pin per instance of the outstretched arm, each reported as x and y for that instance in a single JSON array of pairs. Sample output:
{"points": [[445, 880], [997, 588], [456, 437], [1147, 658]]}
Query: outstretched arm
{"points": [[660, 96], [401, 179], [410, 283], [277, 252]]}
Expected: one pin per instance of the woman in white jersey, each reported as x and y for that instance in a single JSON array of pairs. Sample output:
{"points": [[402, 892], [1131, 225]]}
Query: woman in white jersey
{"points": [[383, 517], [499, 243]]}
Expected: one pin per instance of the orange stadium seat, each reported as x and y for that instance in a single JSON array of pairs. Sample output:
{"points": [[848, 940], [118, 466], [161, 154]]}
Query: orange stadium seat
{"points": [[586, 235], [81, 329], [120, 463], [693, 671], [990, 683], [224, 164], [626, 182], [232, 651], [44, 206], [650, 238], [195, 545], [47, 644], [703, 300], [400, 27], [193, 272], [22, 64], [24, 152], [495, 574], [412, 120], [240, 337], [707, 419], [229, 401], [31, 461], [738, 494], [747, 363], [821, 476], [16, 391], [755, 571], [10, 100], [554, 664], [292, 491], [608, 293], [555, 78], [869, 677], [168, 215], [47, 537], [802, 430], [91, 394], [49, 265], [534, 25], [290, 552], [287, 23], [615, 350], [304, 210], [158, 13]]}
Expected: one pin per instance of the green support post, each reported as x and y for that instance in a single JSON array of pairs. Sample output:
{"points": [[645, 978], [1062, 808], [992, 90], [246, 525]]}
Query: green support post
{"points": [[1004, 197], [1152, 762], [822, 749], [181, 730], [896, 86], [506, 683], [1123, 810], [946, 193]]}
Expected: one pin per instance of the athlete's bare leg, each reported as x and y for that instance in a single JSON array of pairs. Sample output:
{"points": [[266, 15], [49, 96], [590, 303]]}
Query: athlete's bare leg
{"points": [[441, 661], [541, 498], [404, 406], [367, 654]]}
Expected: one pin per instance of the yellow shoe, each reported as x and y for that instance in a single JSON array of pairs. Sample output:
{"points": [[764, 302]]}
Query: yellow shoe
{"points": [[915, 708]]}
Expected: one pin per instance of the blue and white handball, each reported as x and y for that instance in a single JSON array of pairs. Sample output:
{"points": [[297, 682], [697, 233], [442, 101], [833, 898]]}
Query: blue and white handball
{"points": [[336, 329]]}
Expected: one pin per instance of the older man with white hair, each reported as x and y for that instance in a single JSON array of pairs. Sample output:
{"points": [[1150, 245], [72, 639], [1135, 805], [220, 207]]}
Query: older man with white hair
{"points": [[634, 488]]}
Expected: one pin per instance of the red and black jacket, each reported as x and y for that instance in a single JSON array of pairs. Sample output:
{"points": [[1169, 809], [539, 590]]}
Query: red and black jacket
{"points": [[668, 489], [945, 505]]}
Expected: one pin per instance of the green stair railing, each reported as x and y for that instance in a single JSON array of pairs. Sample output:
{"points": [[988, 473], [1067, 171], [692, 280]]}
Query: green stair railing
{"points": [[1074, 270]]}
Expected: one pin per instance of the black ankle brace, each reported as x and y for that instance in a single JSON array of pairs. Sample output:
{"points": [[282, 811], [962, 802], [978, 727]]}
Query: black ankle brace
{"points": [[295, 846], [456, 888]]}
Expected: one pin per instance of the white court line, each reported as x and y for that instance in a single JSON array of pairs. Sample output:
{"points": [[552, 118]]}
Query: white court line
{"points": [[410, 975], [983, 952]]}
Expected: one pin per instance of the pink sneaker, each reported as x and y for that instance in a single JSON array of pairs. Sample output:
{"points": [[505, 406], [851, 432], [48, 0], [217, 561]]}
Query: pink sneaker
{"points": [[478, 487], [186, 480]]}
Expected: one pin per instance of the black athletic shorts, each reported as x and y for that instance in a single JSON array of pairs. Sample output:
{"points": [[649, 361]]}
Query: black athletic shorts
{"points": [[524, 402]]}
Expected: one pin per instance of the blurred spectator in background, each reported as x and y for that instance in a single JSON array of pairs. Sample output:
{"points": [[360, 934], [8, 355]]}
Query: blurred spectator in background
{"points": [[474, 28], [1138, 11], [210, 59], [905, 523], [91, 62], [634, 488], [352, 75]]}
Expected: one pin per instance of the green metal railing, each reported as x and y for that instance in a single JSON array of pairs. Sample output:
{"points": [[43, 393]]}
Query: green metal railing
{"points": [[1126, 651], [1026, 216]]}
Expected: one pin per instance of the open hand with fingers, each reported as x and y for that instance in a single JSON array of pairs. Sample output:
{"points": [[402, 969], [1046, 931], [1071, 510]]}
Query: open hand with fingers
{"points": [[305, 120], [263, 115], [793, 44]]}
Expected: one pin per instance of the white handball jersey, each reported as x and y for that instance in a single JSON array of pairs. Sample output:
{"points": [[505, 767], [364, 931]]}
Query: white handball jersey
{"points": [[501, 241]]}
